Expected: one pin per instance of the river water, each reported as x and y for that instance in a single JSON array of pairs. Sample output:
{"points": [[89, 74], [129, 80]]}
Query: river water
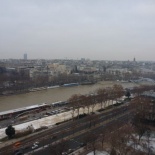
{"points": [[51, 95]]}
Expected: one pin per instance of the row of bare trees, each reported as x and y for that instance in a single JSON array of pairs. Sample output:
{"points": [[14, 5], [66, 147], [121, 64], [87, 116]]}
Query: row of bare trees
{"points": [[101, 96], [20, 81], [139, 90]]}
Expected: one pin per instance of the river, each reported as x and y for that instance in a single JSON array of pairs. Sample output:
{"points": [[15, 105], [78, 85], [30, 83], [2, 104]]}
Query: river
{"points": [[51, 95]]}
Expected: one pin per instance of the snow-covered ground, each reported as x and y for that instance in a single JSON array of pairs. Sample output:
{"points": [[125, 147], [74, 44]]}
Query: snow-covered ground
{"points": [[48, 121], [144, 143], [98, 153]]}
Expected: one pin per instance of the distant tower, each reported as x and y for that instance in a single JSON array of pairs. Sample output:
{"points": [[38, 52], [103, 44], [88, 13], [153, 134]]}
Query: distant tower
{"points": [[134, 59], [25, 56]]}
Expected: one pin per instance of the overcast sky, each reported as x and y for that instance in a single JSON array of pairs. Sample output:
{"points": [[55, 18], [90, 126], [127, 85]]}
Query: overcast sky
{"points": [[75, 29]]}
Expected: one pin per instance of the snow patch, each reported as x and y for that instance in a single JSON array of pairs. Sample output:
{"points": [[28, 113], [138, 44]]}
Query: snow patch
{"points": [[98, 153]]}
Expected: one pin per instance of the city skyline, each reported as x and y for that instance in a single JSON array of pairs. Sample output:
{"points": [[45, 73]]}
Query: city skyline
{"points": [[97, 30]]}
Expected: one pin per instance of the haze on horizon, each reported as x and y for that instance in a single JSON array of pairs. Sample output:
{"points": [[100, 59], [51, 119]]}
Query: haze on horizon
{"points": [[74, 29]]}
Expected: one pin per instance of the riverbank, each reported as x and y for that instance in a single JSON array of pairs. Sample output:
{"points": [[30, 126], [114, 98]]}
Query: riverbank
{"points": [[14, 93], [9, 93], [54, 87]]}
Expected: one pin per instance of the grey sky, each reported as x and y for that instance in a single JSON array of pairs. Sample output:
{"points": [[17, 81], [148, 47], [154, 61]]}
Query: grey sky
{"points": [[95, 29]]}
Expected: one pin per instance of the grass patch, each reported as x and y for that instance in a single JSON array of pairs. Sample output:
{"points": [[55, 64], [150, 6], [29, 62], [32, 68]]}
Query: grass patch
{"points": [[127, 99], [100, 110], [41, 128], [17, 135], [81, 116], [118, 104], [4, 139], [63, 122], [22, 134]]}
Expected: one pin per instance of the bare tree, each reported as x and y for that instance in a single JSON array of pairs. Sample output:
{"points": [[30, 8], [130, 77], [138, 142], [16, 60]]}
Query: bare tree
{"points": [[142, 109], [148, 146], [73, 101], [140, 126], [93, 101], [118, 91], [58, 148], [93, 119], [119, 139], [101, 93], [110, 94], [88, 103], [82, 100], [91, 140]]}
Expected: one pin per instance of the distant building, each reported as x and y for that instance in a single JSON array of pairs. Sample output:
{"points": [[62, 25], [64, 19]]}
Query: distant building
{"points": [[134, 59], [25, 56]]}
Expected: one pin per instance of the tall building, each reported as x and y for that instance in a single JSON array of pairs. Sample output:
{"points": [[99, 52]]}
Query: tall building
{"points": [[134, 59], [25, 56]]}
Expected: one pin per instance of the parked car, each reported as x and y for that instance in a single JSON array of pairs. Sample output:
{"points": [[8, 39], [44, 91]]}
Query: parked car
{"points": [[56, 111], [34, 146], [48, 113], [36, 143]]}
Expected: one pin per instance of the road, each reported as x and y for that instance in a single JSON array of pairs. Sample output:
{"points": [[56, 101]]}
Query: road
{"points": [[72, 129], [75, 142]]}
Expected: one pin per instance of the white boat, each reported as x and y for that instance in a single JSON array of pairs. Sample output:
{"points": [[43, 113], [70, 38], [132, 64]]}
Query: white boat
{"points": [[51, 87], [37, 89], [70, 84]]}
